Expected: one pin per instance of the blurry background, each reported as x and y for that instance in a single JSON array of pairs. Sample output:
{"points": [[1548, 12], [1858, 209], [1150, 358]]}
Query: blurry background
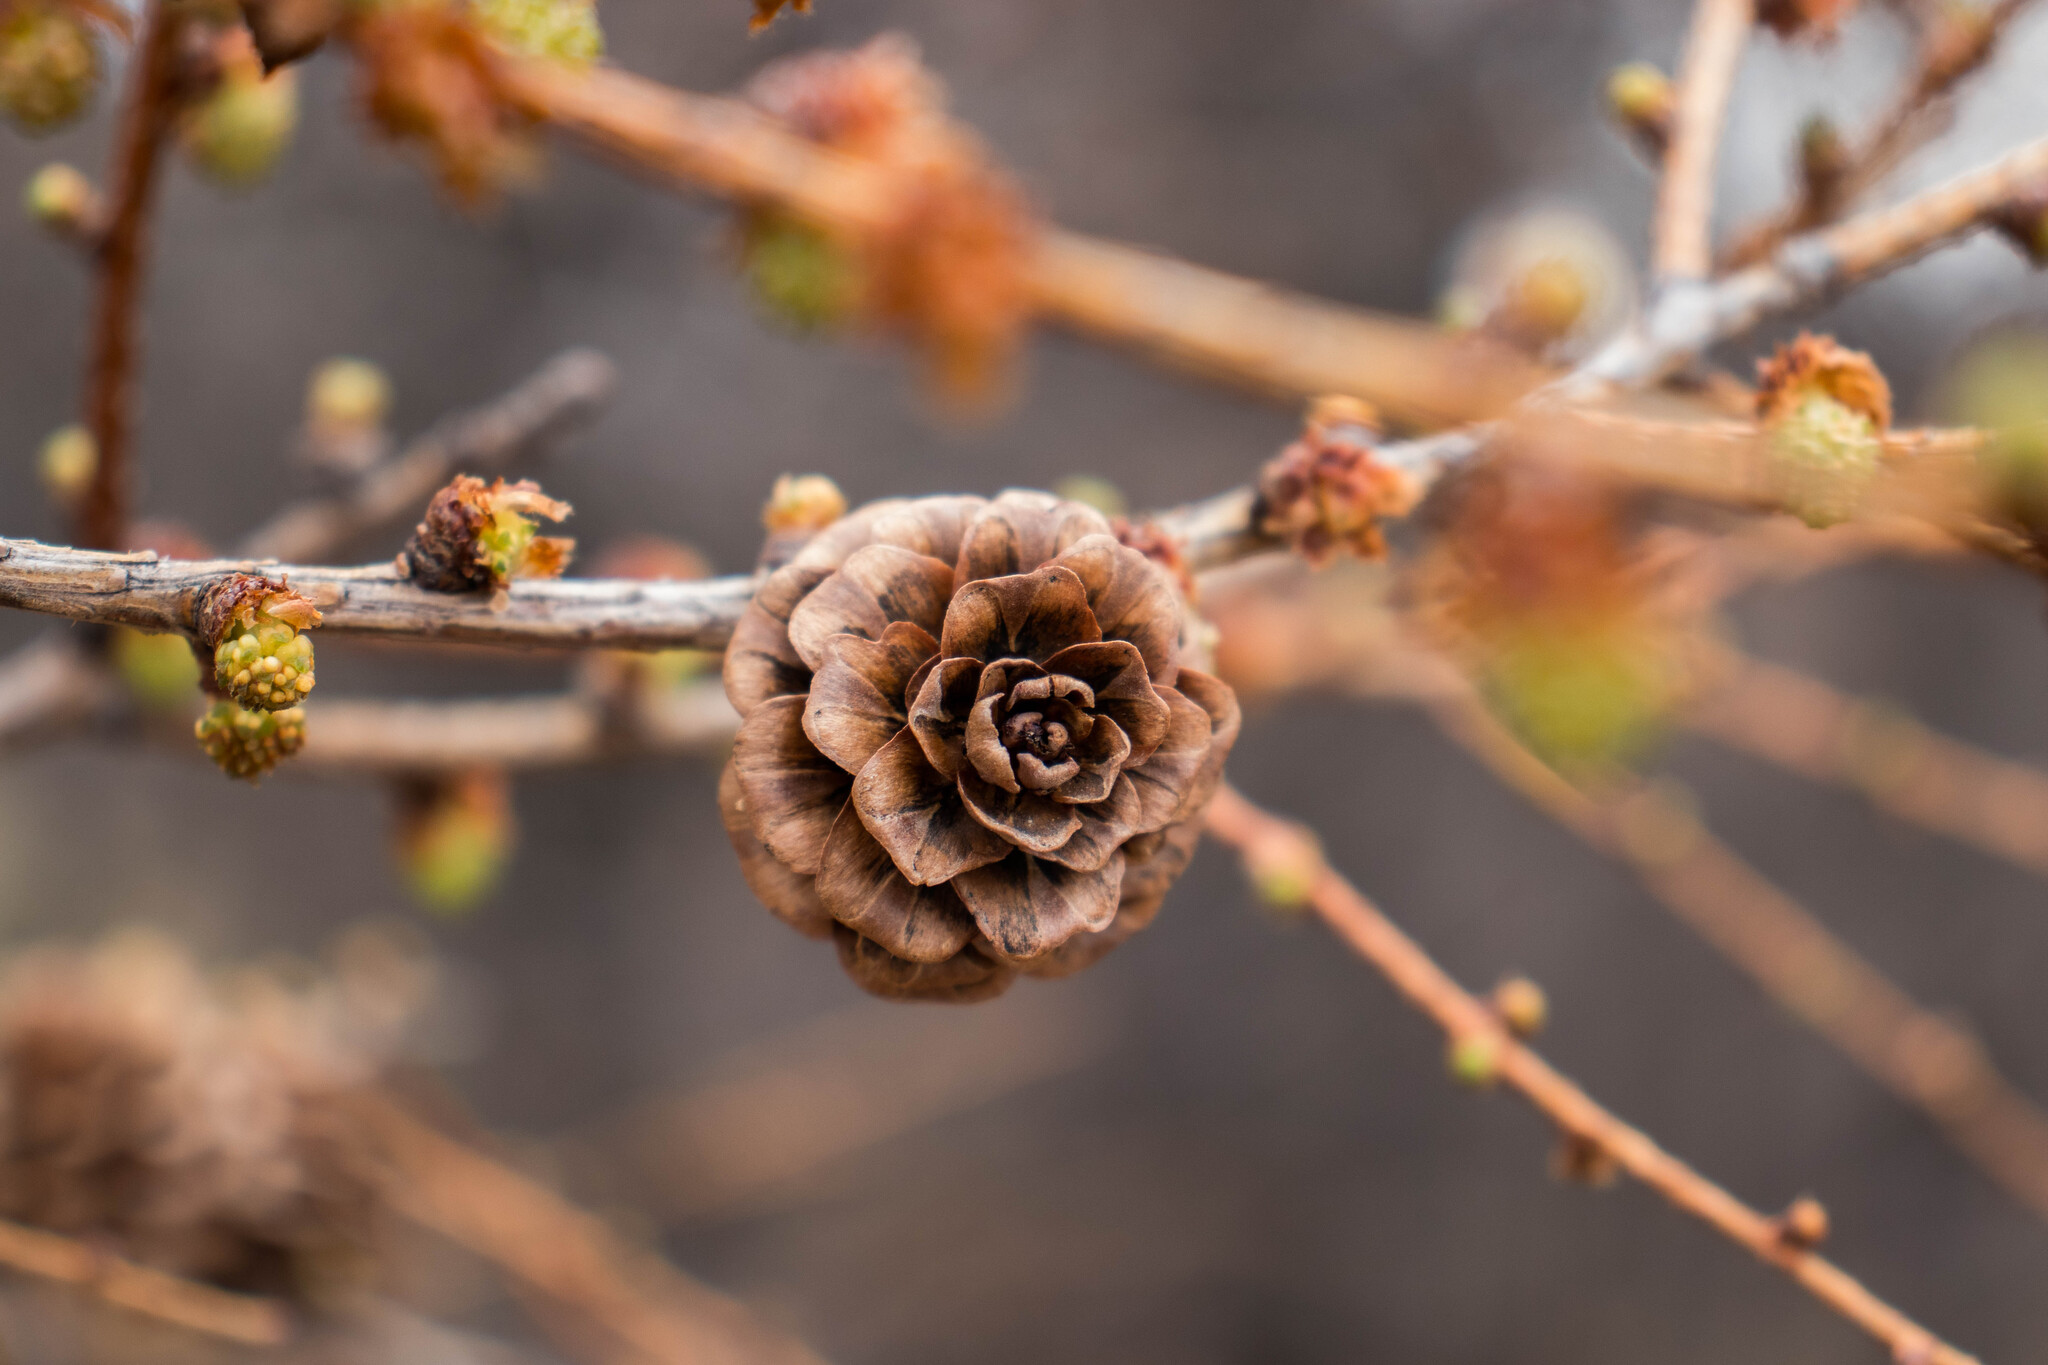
{"points": [[1229, 1142]]}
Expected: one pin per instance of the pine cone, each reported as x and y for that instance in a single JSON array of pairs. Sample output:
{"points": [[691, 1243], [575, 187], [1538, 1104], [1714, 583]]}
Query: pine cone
{"points": [[139, 1113], [969, 745]]}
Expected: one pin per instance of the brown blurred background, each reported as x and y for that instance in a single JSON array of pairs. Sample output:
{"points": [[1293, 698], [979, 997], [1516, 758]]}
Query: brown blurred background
{"points": [[1229, 1142]]}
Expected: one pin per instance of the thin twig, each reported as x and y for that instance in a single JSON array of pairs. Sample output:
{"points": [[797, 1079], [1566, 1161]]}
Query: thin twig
{"points": [[1217, 324], [1463, 1016], [1942, 784], [1922, 108], [561, 394], [120, 259], [155, 594], [166, 1298], [1682, 245], [1919, 1055], [568, 1257]]}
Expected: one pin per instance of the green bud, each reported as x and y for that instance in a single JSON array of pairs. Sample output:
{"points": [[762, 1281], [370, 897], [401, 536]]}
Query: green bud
{"points": [[1581, 698], [159, 670], [566, 30], [1474, 1060], [799, 273], [266, 665], [346, 393], [49, 66], [58, 197], [454, 841], [237, 133], [1093, 490], [248, 744], [1824, 457], [66, 463]]}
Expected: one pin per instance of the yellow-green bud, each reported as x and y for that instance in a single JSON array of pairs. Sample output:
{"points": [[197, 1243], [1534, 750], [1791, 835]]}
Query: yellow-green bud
{"points": [[66, 463], [159, 669], [799, 273], [59, 197], [1824, 458], [347, 394], [248, 744], [237, 133], [803, 502], [1093, 490], [1522, 1006], [454, 841], [49, 65], [1474, 1060], [566, 30], [1641, 100]]}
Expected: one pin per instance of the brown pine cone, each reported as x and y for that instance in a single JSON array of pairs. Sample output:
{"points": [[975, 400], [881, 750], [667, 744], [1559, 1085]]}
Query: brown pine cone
{"points": [[969, 745]]}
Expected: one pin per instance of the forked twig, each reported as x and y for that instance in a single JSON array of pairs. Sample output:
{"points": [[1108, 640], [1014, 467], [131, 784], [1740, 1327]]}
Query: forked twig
{"points": [[1462, 1016]]}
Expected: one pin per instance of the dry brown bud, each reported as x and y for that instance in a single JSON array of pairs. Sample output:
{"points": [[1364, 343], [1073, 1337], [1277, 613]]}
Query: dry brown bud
{"points": [[1522, 1006], [1582, 1161], [1804, 1223], [1157, 545], [477, 537], [970, 743], [1818, 366], [1326, 493], [1815, 19]]}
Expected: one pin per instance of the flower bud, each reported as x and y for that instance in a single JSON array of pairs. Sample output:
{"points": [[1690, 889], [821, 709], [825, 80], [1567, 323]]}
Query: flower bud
{"points": [[260, 658], [1522, 1006], [1093, 490], [66, 463], [248, 744], [1641, 100], [564, 30], [237, 133], [802, 502], [1824, 409], [49, 65], [482, 537], [454, 840], [1474, 1060], [1803, 1224], [1326, 494], [799, 273], [60, 199]]}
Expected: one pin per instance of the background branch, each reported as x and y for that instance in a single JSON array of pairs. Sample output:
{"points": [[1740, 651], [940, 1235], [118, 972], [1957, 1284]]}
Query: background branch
{"points": [[119, 260], [166, 1298], [1463, 1017], [1682, 243]]}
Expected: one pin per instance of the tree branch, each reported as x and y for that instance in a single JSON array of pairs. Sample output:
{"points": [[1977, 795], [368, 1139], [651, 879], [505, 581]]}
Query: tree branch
{"points": [[154, 594], [560, 395], [1217, 324], [119, 260], [1682, 243], [1919, 1055], [1464, 1017], [166, 1298]]}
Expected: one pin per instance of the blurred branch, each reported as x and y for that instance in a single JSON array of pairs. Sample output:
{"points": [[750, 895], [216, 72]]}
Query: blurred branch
{"points": [[46, 685], [155, 594], [1953, 45], [183, 1303], [118, 256], [1917, 1054], [1942, 784], [1465, 1018], [1205, 320], [563, 393], [569, 1257], [1682, 242], [1687, 316]]}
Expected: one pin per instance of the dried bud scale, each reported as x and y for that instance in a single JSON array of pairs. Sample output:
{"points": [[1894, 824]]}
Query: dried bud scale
{"points": [[1817, 20], [765, 11], [248, 744], [49, 64], [970, 740], [260, 657], [477, 537]]}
